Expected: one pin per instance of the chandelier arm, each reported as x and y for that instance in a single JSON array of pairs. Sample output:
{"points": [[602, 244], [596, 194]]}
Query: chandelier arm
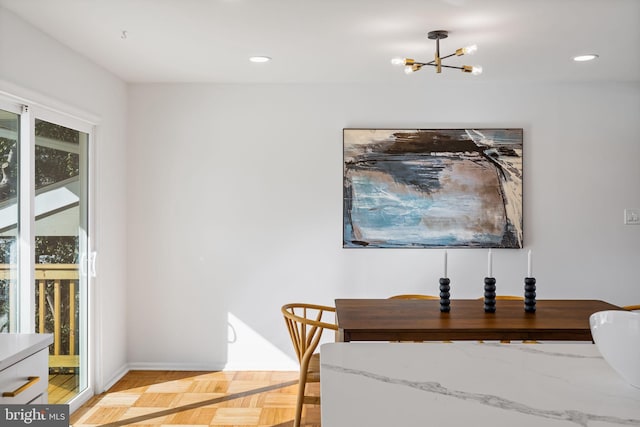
{"points": [[448, 56], [445, 66], [434, 61]]}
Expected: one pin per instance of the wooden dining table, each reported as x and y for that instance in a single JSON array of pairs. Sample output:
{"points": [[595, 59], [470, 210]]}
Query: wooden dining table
{"points": [[421, 320]]}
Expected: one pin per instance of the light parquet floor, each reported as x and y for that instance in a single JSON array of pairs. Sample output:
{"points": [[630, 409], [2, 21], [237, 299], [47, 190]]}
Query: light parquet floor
{"points": [[179, 398]]}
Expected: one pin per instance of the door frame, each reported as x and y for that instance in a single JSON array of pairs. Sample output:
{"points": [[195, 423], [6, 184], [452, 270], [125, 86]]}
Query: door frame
{"points": [[30, 110]]}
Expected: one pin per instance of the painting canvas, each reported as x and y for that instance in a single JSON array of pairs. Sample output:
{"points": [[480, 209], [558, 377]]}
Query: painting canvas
{"points": [[432, 188]]}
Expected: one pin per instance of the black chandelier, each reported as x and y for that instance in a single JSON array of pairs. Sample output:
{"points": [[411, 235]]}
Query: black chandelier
{"points": [[411, 65]]}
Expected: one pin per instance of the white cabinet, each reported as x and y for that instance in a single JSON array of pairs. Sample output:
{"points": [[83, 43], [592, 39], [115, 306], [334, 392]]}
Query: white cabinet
{"points": [[24, 368]]}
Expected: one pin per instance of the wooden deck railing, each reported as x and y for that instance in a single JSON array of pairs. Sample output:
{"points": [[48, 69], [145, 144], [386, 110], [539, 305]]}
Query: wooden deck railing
{"points": [[56, 309]]}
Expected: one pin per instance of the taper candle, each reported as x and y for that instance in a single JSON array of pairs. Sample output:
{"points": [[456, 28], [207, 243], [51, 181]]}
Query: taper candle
{"points": [[529, 264], [445, 264], [489, 262]]}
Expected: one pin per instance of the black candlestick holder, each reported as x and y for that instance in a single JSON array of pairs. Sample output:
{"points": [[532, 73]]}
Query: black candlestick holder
{"points": [[489, 295], [530, 294], [445, 303]]}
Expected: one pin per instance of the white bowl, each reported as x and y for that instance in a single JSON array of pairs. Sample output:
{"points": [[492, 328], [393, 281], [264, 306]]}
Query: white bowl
{"points": [[617, 335]]}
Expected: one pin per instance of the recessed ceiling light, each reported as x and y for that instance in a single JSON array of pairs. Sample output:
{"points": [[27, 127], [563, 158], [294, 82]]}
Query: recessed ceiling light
{"points": [[259, 59], [582, 58]]}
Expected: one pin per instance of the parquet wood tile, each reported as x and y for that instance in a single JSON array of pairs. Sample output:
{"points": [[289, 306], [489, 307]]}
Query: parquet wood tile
{"points": [[179, 386], [157, 400], [209, 387], [119, 399], [243, 385], [202, 399], [272, 416], [197, 416], [237, 416], [105, 415], [146, 415], [279, 400]]}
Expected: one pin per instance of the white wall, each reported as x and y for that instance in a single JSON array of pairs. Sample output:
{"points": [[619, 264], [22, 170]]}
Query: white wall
{"points": [[235, 206], [36, 67], [234, 199]]}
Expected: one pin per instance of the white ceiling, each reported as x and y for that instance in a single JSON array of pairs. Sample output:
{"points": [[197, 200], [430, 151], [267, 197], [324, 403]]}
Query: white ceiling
{"points": [[342, 40]]}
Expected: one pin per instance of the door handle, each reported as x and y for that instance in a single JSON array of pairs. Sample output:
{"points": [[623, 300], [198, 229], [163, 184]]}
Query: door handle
{"points": [[88, 262], [92, 263]]}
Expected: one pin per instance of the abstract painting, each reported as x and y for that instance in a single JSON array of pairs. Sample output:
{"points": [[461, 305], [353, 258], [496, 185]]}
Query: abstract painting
{"points": [[432, 188]]}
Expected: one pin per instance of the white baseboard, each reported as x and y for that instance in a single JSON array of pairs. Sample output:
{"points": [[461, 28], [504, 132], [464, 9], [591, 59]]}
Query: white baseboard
{"points": [[114, 378], [158, 366], [260, 366]]}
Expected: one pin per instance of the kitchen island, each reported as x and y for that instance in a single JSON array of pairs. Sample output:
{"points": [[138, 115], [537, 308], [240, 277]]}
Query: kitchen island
{"points": [[472, 384]]}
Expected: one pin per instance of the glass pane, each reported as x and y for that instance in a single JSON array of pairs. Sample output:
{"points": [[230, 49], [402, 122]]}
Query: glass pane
{"points": [[60, 251], [9, 125]]}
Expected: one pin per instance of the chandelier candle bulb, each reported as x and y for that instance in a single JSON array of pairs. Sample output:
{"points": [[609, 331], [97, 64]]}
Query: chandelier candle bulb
{"points": [[489, 264], [468, 50]]}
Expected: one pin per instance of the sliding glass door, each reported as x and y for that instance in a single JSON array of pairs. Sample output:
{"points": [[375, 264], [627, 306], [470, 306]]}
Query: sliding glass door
{"points": [[44, 239], [61, 253]]}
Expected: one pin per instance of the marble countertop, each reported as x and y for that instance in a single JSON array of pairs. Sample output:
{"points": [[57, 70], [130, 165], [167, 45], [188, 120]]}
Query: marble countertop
{"points": [[15, 347], [472, 384]]}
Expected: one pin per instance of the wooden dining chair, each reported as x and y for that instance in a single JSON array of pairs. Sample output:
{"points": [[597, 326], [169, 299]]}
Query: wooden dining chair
{"points": [[413, 296], [631, 307], [509, 298], [306, 323]]}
